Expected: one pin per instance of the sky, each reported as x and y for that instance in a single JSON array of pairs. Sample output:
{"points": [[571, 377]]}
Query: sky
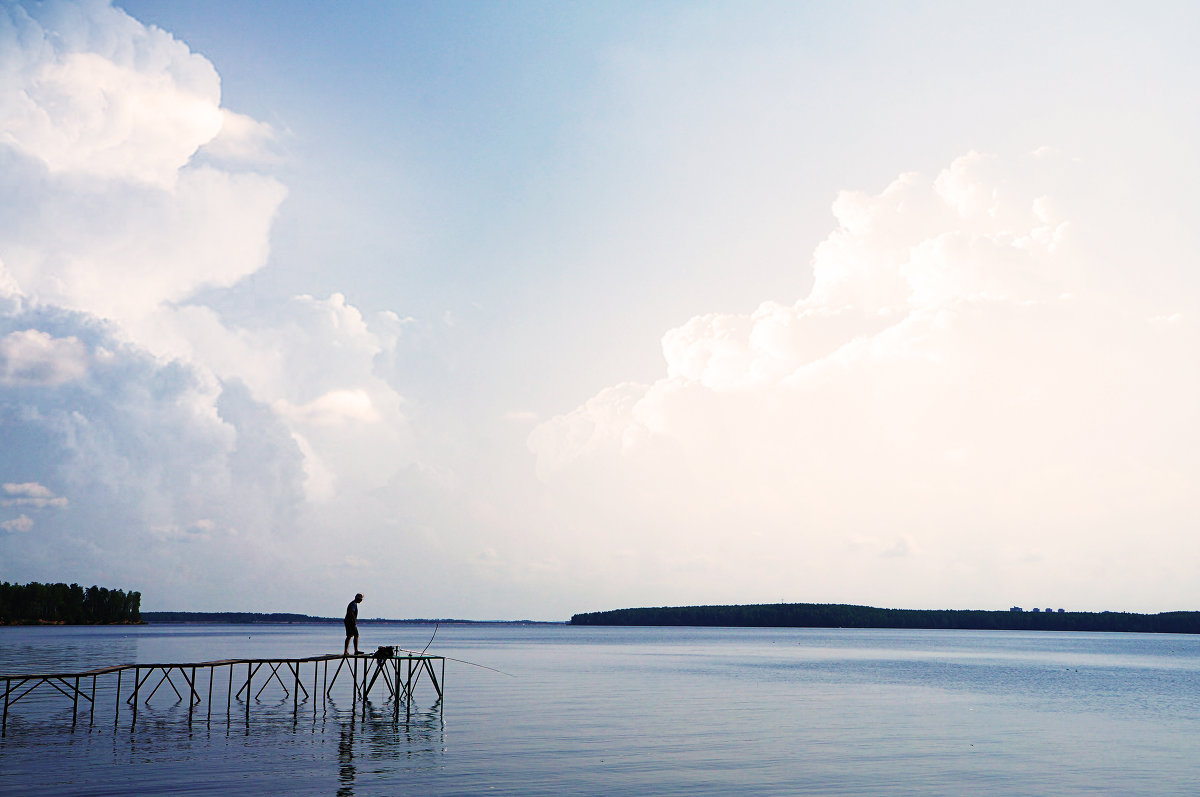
{"points": [[517, 310]]}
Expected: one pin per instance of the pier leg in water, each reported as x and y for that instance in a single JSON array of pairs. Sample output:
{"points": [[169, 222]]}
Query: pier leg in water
{"points": [[117, 711], [75, 704], [137, 682], [4, 722], [92, 710], [211, 670], [248, 676], [229, 698], [364, 692]]}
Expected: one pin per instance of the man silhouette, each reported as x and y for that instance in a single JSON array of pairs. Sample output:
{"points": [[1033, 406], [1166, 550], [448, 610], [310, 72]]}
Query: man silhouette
{"points": [[352, 625]]}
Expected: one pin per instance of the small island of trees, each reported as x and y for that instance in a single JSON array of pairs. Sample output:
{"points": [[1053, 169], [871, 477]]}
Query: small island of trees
{"points": [[835, 615], [67, 604]]}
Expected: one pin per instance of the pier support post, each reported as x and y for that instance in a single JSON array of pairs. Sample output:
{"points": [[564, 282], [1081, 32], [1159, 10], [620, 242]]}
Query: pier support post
{"points": [[395, 689], [364, 691], [4, 722], [117, 711], [92, 710], [137, 682], [433, 676]]}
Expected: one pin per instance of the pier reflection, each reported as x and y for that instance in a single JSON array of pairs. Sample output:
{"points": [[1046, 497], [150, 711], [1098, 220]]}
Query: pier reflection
{"points": [[377, 738]]}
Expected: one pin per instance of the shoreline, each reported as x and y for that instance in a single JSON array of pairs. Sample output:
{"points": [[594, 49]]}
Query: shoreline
{"points": [[284, 618], [835, 615], [15, 623]]}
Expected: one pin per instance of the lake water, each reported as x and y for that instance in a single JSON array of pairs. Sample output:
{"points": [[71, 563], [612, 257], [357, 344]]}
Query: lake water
{"points": [[635, 711]]}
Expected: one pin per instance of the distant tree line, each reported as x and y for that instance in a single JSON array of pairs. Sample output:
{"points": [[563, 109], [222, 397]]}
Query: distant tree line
{"points": [[836, 615], [236, 618], [243, 618], [69, 604]]}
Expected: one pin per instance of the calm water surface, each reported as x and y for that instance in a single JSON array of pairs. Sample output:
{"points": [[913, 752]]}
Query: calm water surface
{"points": [[633, 711]]}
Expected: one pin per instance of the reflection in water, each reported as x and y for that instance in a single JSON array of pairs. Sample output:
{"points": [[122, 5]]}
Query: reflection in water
{"points": [[368, 742], [385, 734], [633, 711], [346, 758]]}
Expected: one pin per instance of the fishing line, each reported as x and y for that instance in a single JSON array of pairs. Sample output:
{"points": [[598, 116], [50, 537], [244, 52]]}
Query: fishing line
{"points": [[461, 661]]}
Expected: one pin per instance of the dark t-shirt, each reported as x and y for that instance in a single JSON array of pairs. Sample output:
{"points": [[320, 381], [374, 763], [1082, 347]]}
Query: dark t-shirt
{"points": [[352, 613]]}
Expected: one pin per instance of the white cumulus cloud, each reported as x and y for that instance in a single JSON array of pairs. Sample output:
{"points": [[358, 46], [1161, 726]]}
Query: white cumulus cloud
{"points": [[954, 383], [20, 524], [107, 212], [32, 357], [84, 114], [129, 198], [30, 494]]}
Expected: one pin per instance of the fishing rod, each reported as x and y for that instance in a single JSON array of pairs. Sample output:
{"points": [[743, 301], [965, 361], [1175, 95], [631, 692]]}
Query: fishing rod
{"points": [[430, 642]]}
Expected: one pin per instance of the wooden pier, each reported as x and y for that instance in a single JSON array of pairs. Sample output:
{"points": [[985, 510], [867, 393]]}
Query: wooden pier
{"points": [[397, 674]]}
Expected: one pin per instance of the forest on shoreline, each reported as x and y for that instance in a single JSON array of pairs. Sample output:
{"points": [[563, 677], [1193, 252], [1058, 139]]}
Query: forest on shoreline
{"points": [[836, 615], [235, 618], [284, 618], [67, 604]]}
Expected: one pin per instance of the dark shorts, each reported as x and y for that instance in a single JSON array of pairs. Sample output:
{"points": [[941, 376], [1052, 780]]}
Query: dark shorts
{"points": [[351, 628]]}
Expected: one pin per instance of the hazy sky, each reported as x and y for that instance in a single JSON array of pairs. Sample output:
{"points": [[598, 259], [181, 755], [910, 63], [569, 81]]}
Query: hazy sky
{"points": [[515, 310]]}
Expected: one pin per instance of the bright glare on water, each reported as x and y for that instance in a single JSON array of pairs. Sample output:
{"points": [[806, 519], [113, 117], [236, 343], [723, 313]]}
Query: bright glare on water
{"points": [[630, 711]]}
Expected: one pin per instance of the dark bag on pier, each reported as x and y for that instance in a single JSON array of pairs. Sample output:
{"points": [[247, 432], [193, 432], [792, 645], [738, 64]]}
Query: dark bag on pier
{"points": [[384, 652]]}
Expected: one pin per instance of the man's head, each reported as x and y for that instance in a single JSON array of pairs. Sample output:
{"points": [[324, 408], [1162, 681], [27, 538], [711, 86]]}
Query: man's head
{"points": [[358, 598]]}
